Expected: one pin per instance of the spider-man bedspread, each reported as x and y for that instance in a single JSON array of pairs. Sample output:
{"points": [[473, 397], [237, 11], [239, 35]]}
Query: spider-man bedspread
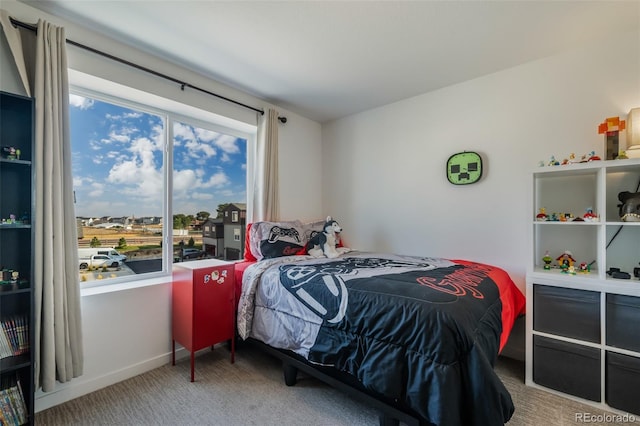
{"points": [[424, 332]]}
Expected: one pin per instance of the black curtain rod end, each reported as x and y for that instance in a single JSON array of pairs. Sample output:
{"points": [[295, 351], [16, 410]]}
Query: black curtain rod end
{"points": [[283, 120]]}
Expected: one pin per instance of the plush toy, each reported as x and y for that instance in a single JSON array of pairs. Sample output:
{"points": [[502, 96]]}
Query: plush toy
{"points": [[324, 243], [630, 207]]}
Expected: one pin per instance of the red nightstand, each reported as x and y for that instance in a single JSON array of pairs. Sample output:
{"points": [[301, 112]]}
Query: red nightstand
{"points": [[202, 306]]}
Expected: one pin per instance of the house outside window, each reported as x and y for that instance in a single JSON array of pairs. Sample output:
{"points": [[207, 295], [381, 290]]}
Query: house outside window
{"points": [[234, 231], [126, 156]]}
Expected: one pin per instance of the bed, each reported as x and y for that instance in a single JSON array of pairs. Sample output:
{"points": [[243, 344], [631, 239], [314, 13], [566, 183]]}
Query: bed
{"points": [[417, 336]]}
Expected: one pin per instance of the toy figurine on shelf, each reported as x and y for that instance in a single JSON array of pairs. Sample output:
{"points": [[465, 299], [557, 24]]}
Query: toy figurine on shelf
{"points": [[570, 160], [547, 260], [542, 215], [585, 267], [590, 216], [611, 127], [593, 156], [10, 153], [553, 161], [565, 260], [566, 217]]}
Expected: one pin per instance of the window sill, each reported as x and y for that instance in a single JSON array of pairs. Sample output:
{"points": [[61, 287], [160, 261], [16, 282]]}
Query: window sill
{"points": [[122, 286]]}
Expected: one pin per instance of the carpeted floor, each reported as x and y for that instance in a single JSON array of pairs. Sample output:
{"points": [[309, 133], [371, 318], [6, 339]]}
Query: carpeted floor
{"points": [[252, 392]]}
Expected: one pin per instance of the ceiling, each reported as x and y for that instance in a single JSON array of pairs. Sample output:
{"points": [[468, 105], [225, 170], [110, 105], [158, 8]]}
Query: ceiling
{"points": [[329, 59]]}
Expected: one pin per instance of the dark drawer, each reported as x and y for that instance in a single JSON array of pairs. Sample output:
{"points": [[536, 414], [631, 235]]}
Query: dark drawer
{"points": [[623, 382], [567, 367], [567, 312], [623, 317]]}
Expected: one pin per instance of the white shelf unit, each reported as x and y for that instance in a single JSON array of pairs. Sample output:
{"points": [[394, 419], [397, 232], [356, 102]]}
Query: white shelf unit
{"points": [[579, 341]]}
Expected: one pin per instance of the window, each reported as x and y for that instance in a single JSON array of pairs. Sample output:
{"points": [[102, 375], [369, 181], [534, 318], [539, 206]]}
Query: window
{"points": [[234, 216], [209, 171], [127, 156], [236, 234]]}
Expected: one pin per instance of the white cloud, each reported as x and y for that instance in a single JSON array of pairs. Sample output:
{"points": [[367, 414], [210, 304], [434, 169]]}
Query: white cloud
{"points": [[139, 175], [117, 137], [228, 144], [217, 180], [191, 188], [197, 150], [183, 180], [202, 196], [80, 102], [97, 190]]}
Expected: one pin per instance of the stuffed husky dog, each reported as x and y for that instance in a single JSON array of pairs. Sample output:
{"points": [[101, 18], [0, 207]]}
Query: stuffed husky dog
{"points": [[324, 243]]}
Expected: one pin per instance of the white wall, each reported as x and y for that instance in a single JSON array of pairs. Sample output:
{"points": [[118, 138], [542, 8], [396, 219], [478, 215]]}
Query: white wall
{"points": [[129, 331], [381, 172], [384, 169]]}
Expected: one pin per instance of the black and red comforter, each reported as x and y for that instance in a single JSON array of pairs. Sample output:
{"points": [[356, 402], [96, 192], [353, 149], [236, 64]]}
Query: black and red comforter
{"points": [[423, 332]]}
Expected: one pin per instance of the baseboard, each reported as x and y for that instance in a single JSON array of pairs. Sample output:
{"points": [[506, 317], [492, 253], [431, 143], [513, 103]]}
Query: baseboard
{"points": [[78, 387]]}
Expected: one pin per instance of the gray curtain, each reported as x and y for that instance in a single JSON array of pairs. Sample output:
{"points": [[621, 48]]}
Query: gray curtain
{"points": [[57, 328], [266, 200]]}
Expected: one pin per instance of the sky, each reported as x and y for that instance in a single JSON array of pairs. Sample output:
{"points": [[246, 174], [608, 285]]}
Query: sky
{"points": [[117, 160]]}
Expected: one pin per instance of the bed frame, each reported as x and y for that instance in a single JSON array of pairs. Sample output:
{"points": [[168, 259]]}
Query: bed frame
{"points": [[391, 413]]}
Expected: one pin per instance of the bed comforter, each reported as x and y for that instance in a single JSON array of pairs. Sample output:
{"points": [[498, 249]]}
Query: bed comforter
{"points": [[424, 332]]}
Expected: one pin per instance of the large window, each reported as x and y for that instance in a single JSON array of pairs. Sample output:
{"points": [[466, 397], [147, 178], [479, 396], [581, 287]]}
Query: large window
{"points": [[146, 180]]}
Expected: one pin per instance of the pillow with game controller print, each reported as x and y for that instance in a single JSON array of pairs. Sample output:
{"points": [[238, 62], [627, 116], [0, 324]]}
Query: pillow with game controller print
{"points": [[277, 239]]}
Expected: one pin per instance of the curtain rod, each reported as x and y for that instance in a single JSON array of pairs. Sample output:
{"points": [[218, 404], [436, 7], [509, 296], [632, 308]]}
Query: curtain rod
{"points": [[182, 84]]}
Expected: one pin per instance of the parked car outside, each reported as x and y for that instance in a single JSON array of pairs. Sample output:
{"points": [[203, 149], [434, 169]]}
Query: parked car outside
{"points": [[113, 253], [192, 253], [98, 261]]}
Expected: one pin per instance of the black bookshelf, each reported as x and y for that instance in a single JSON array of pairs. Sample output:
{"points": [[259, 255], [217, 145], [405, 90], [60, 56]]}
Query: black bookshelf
{"points": [[16, 259]]}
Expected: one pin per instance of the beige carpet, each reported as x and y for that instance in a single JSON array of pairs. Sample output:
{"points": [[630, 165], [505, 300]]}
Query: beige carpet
{"points": [[252, 392]]}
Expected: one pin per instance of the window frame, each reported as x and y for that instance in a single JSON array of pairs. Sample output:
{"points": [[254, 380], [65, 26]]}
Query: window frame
{"points": [[171, 112]]}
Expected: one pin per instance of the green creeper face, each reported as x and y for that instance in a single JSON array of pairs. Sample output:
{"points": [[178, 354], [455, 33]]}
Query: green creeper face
{"points": [[464, 168]]}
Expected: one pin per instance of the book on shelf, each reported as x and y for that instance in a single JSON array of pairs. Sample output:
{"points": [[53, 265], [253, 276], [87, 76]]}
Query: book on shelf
{"points": [[14, 336], [5, 346], [13, 409]]}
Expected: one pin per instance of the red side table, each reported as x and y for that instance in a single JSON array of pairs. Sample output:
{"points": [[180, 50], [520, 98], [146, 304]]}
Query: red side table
{"points": [[203, 312]]}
